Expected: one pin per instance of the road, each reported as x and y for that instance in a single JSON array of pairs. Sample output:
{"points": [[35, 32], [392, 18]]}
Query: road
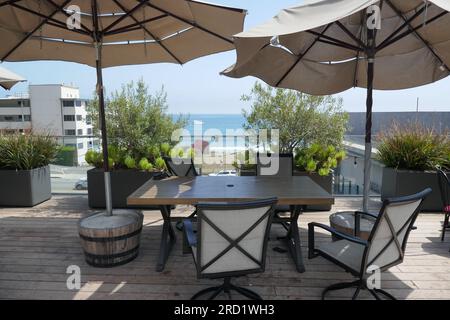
{"points": [[64, 178]]}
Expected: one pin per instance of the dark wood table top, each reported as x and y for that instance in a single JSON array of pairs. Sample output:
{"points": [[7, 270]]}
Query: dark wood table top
{"points": [[192, 190]]}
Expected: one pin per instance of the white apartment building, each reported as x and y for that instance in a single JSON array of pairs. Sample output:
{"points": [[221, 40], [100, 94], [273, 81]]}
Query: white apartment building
{"points": [[54, 109]]}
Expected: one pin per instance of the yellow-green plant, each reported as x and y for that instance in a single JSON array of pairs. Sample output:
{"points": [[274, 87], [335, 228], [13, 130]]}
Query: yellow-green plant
{"points": [[318, 158]]}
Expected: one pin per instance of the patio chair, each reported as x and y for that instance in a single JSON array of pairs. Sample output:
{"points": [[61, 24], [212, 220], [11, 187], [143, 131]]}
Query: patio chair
{"points": [[285, 169], [181, 168], [231, 241], [385, 247], [444, 186]]}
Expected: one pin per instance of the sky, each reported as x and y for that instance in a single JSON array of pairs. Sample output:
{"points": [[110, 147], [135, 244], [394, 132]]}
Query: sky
{"points": [[198, 88]]}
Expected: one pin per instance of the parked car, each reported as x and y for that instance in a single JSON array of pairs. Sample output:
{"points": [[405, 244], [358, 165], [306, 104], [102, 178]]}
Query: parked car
{"points": [[223, 173], [81, 184]]}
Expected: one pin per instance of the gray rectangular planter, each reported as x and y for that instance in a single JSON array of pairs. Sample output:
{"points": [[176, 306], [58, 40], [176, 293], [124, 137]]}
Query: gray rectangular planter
{"points": [[397, 183], [123, 183], [326, 182], [25, 188]]}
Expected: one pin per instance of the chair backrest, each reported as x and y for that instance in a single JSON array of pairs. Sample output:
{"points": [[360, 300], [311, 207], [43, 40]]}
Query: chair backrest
{"points": [[232, 238], [387, 241], [180, 167], [277, 165], [444, 186]]}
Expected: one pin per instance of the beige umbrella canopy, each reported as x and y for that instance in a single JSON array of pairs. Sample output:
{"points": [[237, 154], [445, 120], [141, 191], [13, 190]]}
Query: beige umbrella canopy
{"points": [[107, 33], [9, 79], [325, 47]]}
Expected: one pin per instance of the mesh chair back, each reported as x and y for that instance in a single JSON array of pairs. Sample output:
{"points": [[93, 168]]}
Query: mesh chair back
{"points": [[180, 167], [387, 242], [277, 165], [232, 238], [444, 186]]}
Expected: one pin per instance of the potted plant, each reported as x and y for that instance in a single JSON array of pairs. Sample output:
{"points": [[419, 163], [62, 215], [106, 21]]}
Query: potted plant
{"points": [[244, 166], [410, 154], [317, 162], [24, 169], [139, 131], [128, 174]]}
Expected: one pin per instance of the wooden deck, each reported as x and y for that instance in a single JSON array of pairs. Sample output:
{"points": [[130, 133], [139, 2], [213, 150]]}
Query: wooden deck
{"points": [[38, 244]]}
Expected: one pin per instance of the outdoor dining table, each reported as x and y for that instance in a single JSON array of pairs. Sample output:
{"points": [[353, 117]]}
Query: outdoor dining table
{"points": [[297, 192]]}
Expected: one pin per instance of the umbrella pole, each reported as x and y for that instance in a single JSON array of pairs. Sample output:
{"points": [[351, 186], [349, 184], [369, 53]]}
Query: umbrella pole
{"points": [[102, 117], [369, 105]]}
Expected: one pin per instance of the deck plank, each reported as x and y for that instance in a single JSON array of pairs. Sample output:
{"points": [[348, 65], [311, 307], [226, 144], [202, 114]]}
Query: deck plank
{"points": [[38, 244]]}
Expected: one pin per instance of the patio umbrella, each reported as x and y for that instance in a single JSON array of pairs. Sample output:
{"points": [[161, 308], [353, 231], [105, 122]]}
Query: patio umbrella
{"points": [[9, 79], [111, 33], [326, 47]]}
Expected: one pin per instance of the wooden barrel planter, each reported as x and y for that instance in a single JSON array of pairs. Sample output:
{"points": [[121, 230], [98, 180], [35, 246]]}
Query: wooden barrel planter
{"points": [[110, 241]]}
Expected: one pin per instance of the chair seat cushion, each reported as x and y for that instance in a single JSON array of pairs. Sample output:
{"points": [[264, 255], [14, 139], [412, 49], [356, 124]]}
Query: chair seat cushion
{"points": [[346, 252], [447, 209]]}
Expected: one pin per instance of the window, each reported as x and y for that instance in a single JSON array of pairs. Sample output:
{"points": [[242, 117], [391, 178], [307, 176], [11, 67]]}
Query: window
{"points": [[79, 117], [89, 131], [69, 117], [68, 103], [78, 103], [81, 145], [70, 132], [27, 117], [80, 132], [88, 120]]}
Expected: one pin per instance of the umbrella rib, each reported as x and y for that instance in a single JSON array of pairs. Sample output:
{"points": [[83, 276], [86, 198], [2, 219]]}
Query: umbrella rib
{"points": [[412, 30], [302, 55], [406, 22], [351, 35], [131, 27], [150, 34], [334, 41], [193, 24], [68, 15], [127, 14], [427, 44], [35, 29], [55, 21]]}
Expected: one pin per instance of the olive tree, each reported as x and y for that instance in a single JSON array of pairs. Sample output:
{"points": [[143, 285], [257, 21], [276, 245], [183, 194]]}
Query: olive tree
{"points": [[301, 119]]}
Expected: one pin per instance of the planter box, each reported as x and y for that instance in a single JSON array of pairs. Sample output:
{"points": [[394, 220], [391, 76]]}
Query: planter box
{"points": [[247, 173], [326, 182], [123, 183], [397, 183], [25, 188]]}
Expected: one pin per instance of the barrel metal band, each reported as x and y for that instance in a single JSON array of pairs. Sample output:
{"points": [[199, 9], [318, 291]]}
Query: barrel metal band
{"points": [[111, 256], [106, 239]]}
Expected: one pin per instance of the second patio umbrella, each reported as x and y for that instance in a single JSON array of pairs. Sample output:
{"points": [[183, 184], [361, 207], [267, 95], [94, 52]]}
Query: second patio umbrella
{"points": [[9, 79], [326, 47]]}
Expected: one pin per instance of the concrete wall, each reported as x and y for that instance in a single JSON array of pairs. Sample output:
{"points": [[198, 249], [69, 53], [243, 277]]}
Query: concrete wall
{"points": [[381, 120]]}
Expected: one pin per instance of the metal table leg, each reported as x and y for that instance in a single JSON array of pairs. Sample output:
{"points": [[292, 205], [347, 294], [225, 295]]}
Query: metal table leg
{"points": [[167, 239], [293, 239]]}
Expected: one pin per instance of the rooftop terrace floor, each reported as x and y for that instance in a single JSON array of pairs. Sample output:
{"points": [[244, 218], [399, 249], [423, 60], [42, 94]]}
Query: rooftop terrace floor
{"points": [[38, 244]]}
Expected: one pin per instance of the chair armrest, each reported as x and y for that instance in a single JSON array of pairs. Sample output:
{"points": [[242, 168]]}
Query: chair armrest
{"points": [[338, 234], [189, 232]]}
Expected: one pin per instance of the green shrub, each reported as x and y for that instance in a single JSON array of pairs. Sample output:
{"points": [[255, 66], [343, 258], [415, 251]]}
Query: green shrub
{"points": [[94, 158], [318, 158], [160, 164], [145, 165], [26, 151], [413, 147], [130, 163], [165, 149]]}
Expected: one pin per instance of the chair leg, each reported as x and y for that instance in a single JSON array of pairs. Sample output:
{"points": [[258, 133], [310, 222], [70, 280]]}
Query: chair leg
{"points": [[207, 290], [445, 226], [227, 287], [340, 286]]}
